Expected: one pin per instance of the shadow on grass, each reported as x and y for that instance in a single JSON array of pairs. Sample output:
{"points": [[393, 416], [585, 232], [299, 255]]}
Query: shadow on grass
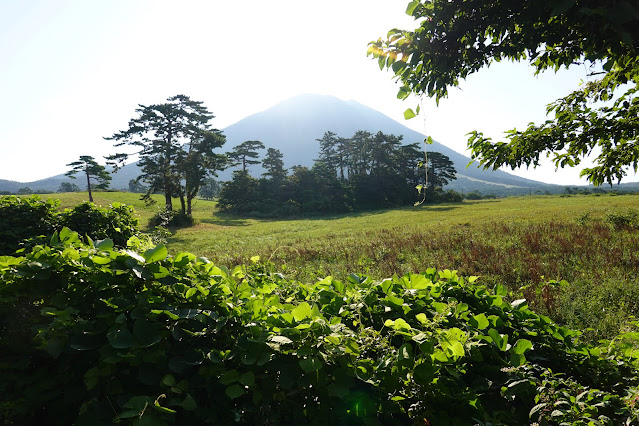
{"points": [[237, 219], [225, 219]]}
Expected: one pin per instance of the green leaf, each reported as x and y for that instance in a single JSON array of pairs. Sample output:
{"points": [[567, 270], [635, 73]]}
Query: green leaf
{"points": [[302, 311], [422, 318], [120, 338], [190, 292], [146, 333], [409, 113], [104, 245], [247, 378], [235, 391], [411, 7], [189, 403], [229, 377], [522, 346], [310, 364], [424, 373], [479, 321], [156, 254]]}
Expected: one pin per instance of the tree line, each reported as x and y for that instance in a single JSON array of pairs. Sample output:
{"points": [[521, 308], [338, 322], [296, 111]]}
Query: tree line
{"points": [[364, 171], [179, 156]]}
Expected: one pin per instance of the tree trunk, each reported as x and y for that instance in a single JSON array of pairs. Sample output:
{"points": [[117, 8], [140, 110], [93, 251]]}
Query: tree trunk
{"points": [[168, 201], [89, 186]]}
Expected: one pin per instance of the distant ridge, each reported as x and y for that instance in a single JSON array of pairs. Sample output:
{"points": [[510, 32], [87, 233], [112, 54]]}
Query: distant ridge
{"points": [[293, 125]]}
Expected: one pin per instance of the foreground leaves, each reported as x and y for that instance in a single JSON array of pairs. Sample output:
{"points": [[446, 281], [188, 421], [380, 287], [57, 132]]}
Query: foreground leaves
{"points": [[94, 335]]}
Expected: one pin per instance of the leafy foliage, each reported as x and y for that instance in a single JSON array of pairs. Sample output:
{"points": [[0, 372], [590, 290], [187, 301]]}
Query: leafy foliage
{"points": [[91, 170], [171, 219], [154, 339], [245, 154], [456, 39], [363, 172], [24, 218], [116, 222], [28, 220], [175, 145], [68, 187]]}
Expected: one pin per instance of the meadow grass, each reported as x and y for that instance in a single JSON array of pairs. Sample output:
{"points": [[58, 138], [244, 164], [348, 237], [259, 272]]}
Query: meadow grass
{"points": [[529, 244]]}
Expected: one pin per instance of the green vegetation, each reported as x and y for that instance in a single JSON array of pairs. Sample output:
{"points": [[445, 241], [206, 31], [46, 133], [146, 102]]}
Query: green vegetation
{"points": [[175, 143], [156, 335], [456, 39], [91, 170], [28, 221], [363, 172], [147, 339]]}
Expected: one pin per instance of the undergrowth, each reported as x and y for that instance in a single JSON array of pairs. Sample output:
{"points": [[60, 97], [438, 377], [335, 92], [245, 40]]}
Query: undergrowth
{"points": [[96, 335]]}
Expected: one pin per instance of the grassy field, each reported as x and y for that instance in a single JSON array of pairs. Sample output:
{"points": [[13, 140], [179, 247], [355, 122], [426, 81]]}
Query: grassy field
{"points": [[530, 244]]}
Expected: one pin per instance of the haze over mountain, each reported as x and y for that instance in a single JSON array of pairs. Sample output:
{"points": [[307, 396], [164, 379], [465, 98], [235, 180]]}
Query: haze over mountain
{"points": [[293, 126]]}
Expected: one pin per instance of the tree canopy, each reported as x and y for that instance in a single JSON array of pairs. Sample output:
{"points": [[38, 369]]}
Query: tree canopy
{"points": [[91, 170], [175, 143], [456, 39]]}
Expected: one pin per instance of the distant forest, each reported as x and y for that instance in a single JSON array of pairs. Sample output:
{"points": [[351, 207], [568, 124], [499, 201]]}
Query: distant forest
{"points": [[363, 172]]}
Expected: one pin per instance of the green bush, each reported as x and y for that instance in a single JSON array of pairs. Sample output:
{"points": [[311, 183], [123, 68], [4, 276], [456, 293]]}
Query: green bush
{"points": [[171, 219], [115, 222], [28, 221], [628, 219], [94, 335], [25, 218]]}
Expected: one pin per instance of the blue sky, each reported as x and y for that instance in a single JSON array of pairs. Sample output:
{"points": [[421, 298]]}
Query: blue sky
{"points": [[74, 71]]}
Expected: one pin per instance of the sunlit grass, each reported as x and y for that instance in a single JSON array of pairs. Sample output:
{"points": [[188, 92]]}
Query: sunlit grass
{"points": [[522, 242]]}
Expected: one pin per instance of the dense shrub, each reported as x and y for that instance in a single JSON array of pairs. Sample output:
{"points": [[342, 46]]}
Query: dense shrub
{"points": [[115, 222], [25, 218], [171, 219], [628, 219], [27, 221], [94, 335]]}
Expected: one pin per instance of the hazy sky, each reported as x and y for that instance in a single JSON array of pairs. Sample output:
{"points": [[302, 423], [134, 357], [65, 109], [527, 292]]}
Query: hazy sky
{"points": [[73, 71]]}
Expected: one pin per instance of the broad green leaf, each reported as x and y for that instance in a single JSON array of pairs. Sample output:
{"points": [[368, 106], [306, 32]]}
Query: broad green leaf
{"points": [[120, 338], [440, 307], [235, 391], [247, 378], [522, 346], [310, 364], [229, 377], [105, 245], [156, 254], [398, 324], [424, 373], [412, 6], [422, 318], [190, 292], [501, 290], [189, 403], [302, 311], [409, 113], [146, 333], [479, 321], [168, 380]]}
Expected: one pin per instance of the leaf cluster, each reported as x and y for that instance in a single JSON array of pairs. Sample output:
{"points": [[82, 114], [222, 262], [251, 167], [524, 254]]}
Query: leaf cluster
{"points": [[95, 335], [26, 221], [456, 39]]}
